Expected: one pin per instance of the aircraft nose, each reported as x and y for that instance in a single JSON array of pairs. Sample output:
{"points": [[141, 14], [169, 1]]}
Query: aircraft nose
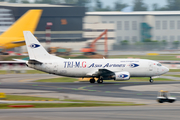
{"points": [[165, 69]]}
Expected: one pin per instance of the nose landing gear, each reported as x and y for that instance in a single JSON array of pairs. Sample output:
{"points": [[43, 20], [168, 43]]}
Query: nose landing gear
{"points": [[151, 80], [100, 80]]}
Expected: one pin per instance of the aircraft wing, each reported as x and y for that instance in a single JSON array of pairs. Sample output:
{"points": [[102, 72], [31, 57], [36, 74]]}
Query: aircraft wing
{"points": [[105, 73], [93, 73]]}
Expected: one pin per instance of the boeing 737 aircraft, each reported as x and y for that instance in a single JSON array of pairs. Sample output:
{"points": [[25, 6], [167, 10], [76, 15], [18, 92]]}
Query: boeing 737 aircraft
{"points": [[103, 69]]}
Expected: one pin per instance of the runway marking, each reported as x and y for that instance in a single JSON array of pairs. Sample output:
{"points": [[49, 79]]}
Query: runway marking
{"points": [[92, 90], [116, 84], [108, 91], [83, 88], [75, 89]]}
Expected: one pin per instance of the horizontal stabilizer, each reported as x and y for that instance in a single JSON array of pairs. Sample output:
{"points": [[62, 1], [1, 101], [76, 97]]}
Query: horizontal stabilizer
{"points": [[17, 42], [34, 62], [20, 60]]}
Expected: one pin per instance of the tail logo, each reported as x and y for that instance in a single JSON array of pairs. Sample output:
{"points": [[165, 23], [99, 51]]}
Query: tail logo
{"points": [[34, 45]]}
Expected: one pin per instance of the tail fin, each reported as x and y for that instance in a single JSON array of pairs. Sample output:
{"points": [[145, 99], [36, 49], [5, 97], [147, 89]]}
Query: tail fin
{"points": [[28, 22], [35, 49]]}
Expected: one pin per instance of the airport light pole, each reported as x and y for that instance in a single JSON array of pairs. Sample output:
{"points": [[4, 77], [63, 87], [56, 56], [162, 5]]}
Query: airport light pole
{"points": [[48, 34]]}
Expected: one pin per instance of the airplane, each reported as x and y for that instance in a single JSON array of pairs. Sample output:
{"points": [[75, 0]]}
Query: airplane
{"points": [[103, 69], [13, 37]]}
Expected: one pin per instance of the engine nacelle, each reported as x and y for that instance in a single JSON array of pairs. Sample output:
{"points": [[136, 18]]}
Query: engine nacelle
{"points": [[122, 76]]}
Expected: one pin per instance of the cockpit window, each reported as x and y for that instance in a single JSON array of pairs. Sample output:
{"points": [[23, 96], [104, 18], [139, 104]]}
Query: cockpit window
{"points": [[159, 64]]}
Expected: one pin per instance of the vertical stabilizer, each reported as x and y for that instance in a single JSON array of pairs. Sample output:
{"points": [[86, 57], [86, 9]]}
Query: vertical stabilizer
{"points": [[27, 22], [35, 49]]}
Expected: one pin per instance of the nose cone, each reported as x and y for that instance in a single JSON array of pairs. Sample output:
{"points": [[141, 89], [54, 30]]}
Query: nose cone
{"points": [[165, 69]]}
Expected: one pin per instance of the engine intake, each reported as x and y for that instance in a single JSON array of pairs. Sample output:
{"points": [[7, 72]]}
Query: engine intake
{"points": [[122, 76]]}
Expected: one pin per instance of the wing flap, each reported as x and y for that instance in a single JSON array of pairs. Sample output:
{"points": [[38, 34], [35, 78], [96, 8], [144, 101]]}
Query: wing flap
{"points": [[105, 72], [93, 73]]}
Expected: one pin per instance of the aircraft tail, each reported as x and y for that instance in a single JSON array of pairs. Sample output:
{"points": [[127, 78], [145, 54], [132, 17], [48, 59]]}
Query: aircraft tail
{"points": [[27, 22], [35, 49]]}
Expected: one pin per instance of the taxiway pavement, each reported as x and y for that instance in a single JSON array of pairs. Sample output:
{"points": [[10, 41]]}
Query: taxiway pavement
{"points": [[138, 92], [152, 112]]}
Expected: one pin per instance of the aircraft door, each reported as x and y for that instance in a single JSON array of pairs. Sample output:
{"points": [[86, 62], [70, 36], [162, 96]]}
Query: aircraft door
{"points": [[151, 69], [55, 68], [158, 70], [44, 67]]}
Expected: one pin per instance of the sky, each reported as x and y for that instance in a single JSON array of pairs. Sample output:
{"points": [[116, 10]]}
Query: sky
{"points": [[129, 2]]}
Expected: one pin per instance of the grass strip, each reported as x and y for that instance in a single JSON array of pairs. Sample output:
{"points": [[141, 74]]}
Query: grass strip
{"points": [[174, 70], [173, 75], [57, 105], [18, 97]]}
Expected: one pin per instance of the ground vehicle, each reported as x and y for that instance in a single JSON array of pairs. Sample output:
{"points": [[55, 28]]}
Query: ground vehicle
{"points": [[59, 51], [164, 96], [91, 50]]}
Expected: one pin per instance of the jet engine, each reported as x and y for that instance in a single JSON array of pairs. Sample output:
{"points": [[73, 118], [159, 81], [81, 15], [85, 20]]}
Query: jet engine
{"points": [[122, 76]]}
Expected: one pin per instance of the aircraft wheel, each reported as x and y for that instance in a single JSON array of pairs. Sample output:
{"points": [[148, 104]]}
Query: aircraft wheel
{"points": [[171, 101], [92, 80], [160, 101], [151, 80], [100, 80]]}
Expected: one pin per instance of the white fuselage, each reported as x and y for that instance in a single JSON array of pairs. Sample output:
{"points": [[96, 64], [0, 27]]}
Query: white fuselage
{"points": [[87, 67]]}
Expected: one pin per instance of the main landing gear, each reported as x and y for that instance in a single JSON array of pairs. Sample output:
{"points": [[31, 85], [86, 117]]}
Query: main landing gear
{"points": [[151, 80], [92, 80], [100, 80]]}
